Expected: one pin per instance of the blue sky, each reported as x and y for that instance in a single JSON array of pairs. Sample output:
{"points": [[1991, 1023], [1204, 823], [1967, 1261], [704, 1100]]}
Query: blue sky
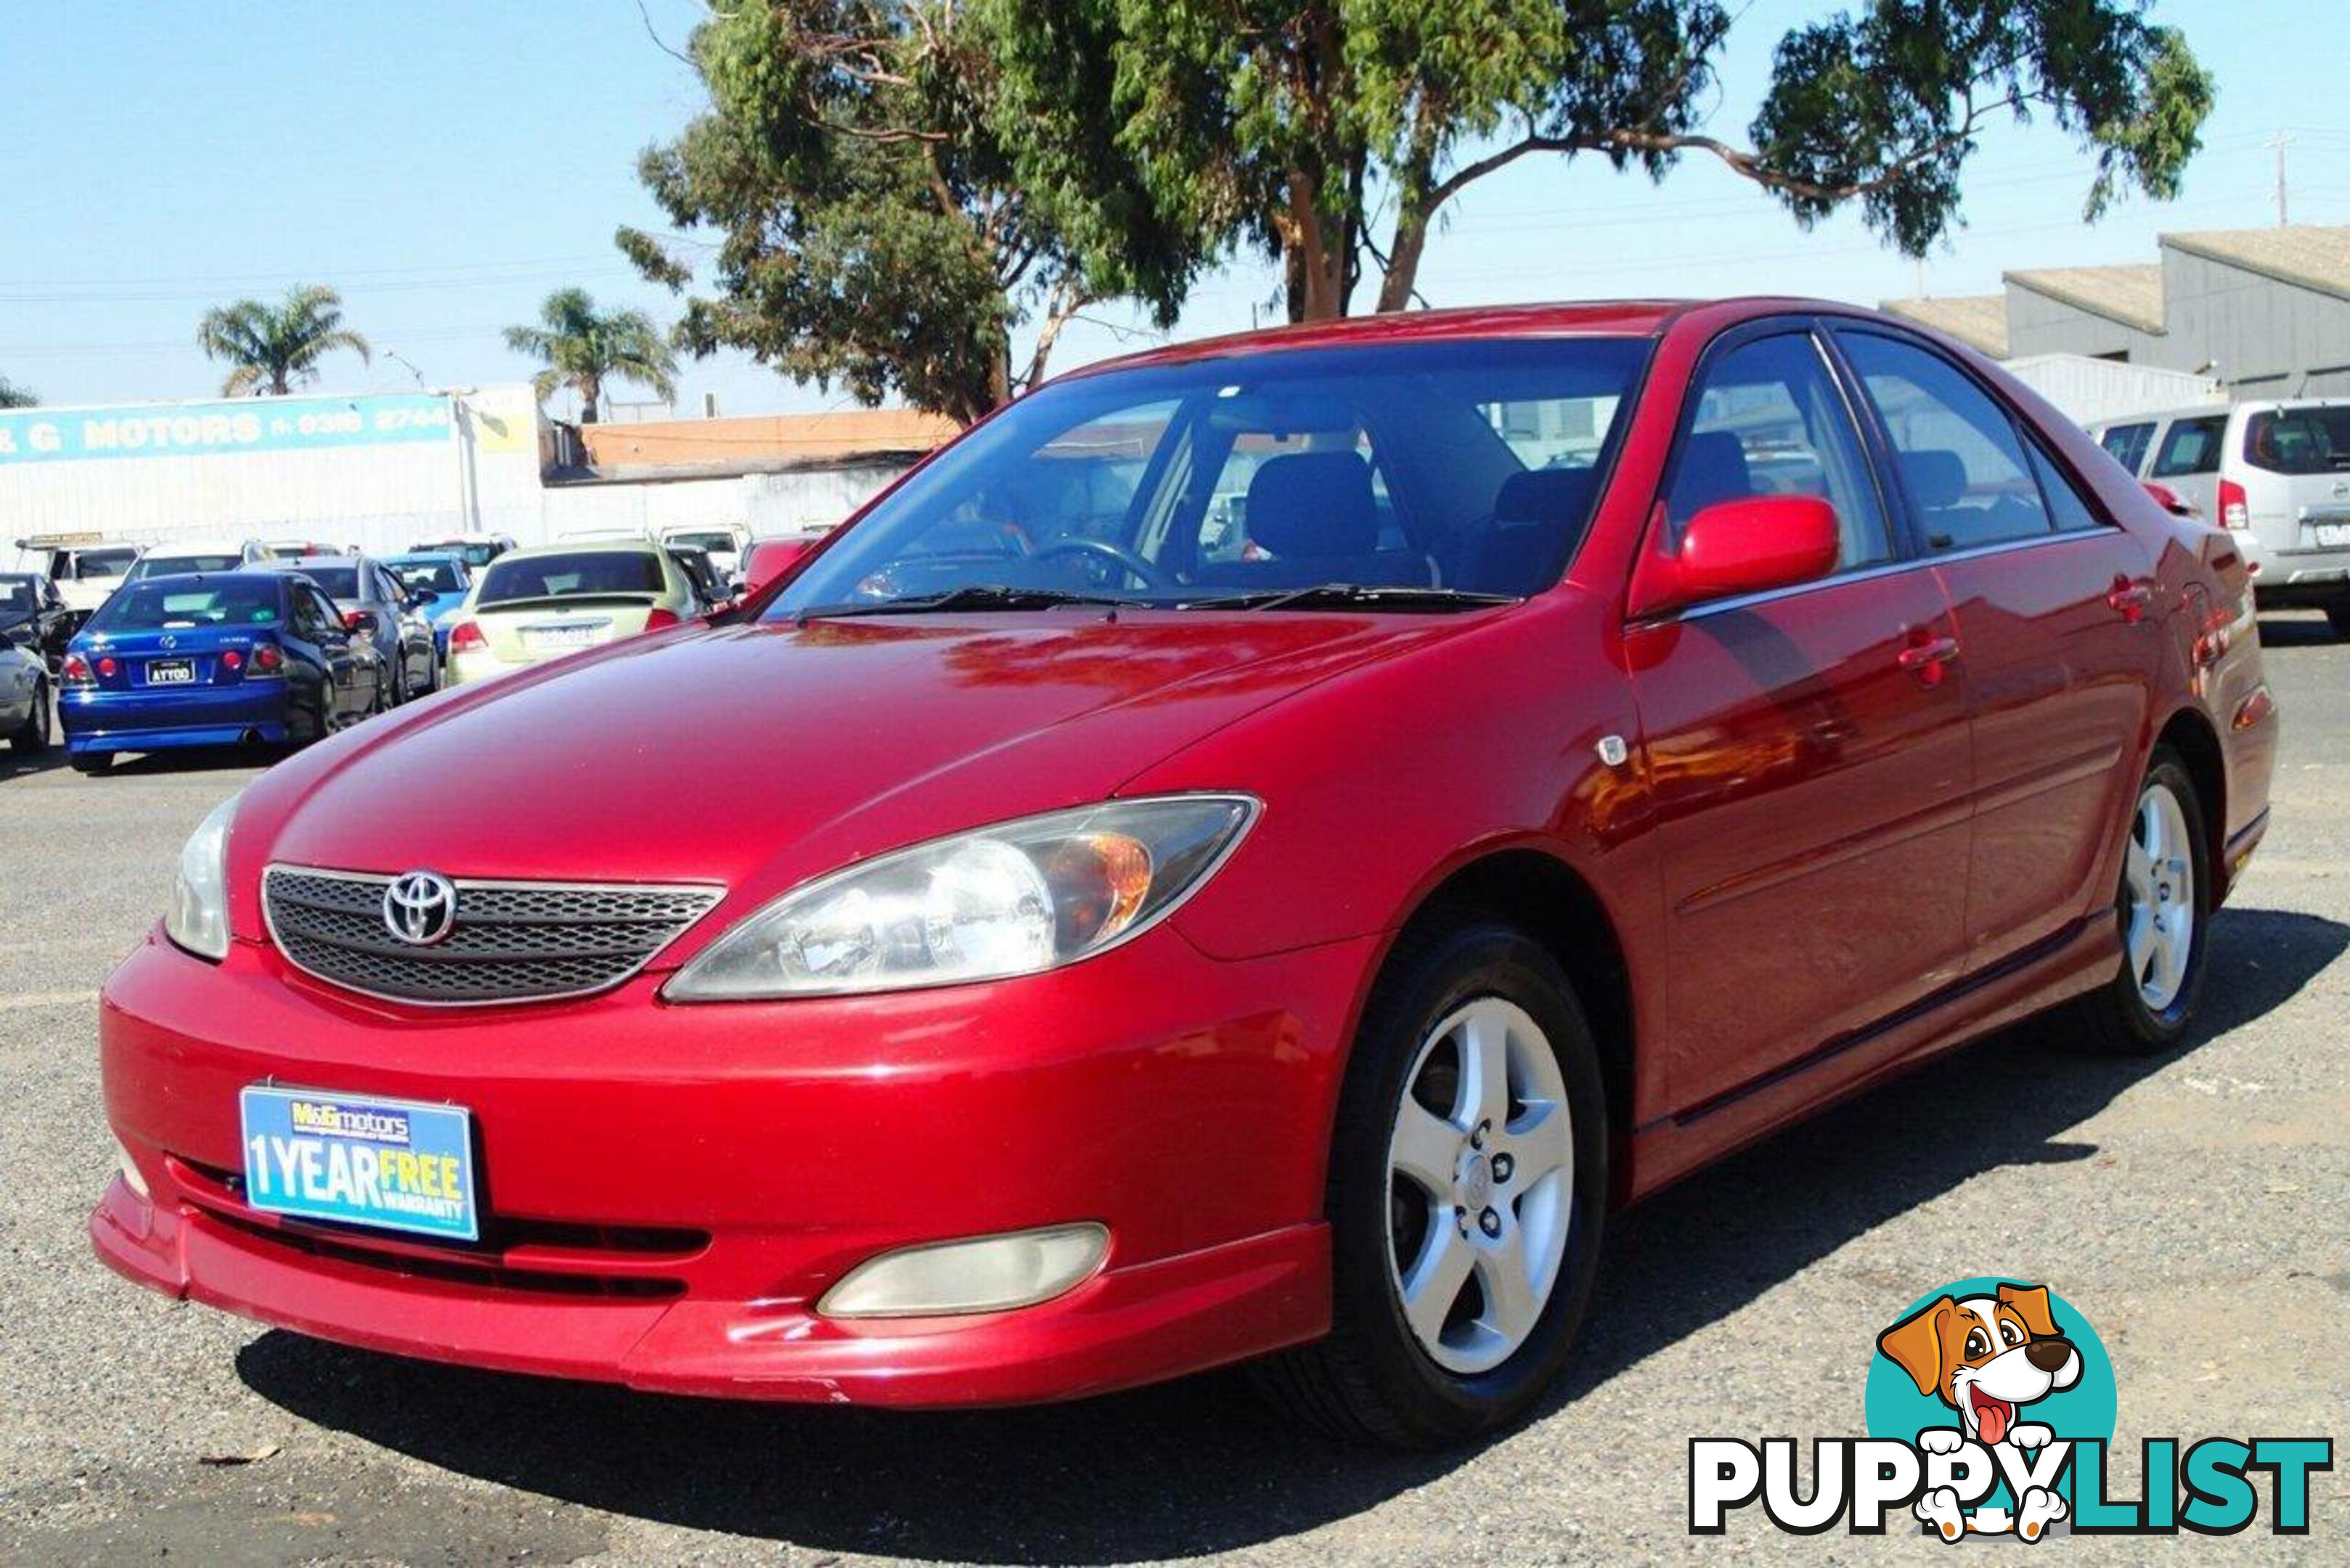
{"points": [[445, 164]]}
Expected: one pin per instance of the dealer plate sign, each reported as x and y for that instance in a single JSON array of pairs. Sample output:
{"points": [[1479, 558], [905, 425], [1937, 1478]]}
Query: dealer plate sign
{"points": [[388, 1164]]}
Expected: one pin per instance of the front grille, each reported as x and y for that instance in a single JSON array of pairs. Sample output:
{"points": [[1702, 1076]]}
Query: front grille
{"points": [[511, 942]]}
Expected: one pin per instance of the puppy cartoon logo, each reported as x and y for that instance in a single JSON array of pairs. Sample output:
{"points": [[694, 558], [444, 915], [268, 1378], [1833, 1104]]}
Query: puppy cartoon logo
{"points": [[1988, 1357]]}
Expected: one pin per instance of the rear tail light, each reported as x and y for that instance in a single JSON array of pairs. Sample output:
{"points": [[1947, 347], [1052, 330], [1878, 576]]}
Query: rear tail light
{"points": [[658, 617], [77, 672], [2233, 512], [354, 620], [465, 637], [268, 659]]}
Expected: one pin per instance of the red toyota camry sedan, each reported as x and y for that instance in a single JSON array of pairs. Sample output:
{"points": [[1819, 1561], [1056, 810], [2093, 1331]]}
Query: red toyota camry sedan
{"points": [[1250, 854]]}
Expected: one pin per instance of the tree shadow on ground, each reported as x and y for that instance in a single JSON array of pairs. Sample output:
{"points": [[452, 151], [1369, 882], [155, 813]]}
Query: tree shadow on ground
{"points": [[1198, 1465]]}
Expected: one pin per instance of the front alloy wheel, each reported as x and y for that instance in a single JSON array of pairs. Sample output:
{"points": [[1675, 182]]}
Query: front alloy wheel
{"points": [[1468, 1182], [1481, 1175]]}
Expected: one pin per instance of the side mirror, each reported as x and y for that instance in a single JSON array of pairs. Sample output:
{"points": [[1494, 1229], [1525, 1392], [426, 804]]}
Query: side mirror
{"points": [[2170, 501], [770, 559], [1747, 547]]}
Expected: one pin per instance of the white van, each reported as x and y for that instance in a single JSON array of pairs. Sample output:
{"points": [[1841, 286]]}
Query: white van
{"points": [[87, 568], [2275, 474]]}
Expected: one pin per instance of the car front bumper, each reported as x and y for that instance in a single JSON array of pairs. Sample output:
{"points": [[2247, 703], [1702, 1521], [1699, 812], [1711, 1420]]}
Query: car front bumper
{"points": [[668, 1189], [101, 721]]}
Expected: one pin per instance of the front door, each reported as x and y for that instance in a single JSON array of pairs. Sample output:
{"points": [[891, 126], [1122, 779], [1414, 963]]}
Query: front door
{"points": [[1806, 750]]}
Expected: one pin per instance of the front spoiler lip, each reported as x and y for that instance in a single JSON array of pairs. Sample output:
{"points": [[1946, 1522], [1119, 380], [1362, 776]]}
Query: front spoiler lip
{"points": [[1120, 1328]]}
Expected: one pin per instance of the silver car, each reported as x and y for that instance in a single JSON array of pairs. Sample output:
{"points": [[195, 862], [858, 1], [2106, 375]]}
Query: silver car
{"points": [[378, 607], [2274, 473]]}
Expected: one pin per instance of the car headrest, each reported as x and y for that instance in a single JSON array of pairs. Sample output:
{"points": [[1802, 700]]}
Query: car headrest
{"points": [[1936, 478], [1314, 503], [1712, 470], [1544, 495]]}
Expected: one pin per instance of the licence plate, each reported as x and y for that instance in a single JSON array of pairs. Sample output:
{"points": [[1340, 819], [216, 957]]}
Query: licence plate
{"points": [[2327, 536], [171, 671], [388, 1164], [560, 636]]}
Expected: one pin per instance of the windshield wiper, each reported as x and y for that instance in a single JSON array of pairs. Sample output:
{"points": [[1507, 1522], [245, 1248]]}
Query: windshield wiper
{"points": [[974, 596], [1326, 595]]}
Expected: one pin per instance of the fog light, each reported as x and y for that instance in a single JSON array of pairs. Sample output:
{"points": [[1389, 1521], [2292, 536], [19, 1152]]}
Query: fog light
{"points": [[986, 1273], [130, 1176]]}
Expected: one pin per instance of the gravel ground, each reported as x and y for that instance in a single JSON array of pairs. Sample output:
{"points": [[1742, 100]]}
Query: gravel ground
{"points": [[2194, 1206]]}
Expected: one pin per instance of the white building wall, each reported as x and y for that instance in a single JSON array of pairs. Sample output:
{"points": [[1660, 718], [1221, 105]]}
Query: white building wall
{"points": [[2088, 391]]}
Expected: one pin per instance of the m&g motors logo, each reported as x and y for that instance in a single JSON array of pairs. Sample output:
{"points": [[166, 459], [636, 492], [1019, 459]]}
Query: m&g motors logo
{"points": [[1989, 1408]]}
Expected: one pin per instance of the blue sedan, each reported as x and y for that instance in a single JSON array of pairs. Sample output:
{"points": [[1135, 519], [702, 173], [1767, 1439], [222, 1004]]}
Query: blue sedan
{"points": [[442, 573], [214, 660]]}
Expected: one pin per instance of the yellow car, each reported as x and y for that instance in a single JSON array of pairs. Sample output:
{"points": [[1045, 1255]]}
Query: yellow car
{"points": [[533, 605]]}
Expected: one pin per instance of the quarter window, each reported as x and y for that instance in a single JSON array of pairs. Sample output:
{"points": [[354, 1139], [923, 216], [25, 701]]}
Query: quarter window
{"points": [[2070, 508], [2191, 446], [1960, 460], [1769, 422], [2129, 443]]}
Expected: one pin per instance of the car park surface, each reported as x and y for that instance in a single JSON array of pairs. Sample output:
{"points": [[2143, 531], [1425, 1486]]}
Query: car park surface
{"points": [[2186, 1201], [1818, 545]]}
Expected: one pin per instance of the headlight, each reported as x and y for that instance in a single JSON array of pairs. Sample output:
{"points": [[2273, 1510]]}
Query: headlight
{"points": [[198, 918], [1011, 899]]}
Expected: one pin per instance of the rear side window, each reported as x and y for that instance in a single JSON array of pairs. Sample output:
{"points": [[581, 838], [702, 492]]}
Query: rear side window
{"points": [[2191, 446], [2129, 443], [1769, 422], [1960, 460], [2299, 441]]}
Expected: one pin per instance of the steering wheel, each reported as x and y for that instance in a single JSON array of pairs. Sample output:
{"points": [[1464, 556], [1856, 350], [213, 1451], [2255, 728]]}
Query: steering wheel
{"points": [[1118, 555]]}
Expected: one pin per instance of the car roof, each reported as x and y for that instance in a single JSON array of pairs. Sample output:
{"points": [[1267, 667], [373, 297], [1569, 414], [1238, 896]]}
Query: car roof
{"points": [[639, 544], [305, 563], [172, 548]]}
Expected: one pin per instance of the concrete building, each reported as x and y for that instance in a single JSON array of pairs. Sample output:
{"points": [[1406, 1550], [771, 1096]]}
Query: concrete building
{"points": [[379, 472], [2264, 313]]}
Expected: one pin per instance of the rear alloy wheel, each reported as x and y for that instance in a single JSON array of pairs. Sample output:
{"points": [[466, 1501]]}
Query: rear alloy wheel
{"points": [[1468, 1181], [2163, 909], [32, 737]]}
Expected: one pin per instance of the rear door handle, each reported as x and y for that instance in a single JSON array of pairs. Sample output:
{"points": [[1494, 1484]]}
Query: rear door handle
{"points": [[2130, 599]]}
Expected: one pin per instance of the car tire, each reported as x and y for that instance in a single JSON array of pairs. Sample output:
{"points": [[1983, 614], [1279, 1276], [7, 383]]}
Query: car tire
{"points": [[2337, 616], [1376, 1378], [2164, 910], [93, 764], [32, 737]]}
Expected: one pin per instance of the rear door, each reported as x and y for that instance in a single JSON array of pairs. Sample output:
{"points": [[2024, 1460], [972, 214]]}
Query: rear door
{"points": [[1807, 759], [2187, 459], [2058, 633]]}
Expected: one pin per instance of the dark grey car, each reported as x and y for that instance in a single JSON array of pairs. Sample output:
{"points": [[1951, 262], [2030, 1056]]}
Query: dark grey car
{"points": [[378, 607]]}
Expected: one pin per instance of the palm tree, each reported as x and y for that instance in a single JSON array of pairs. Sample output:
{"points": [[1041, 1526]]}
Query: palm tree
{"points": [[582, 346], [274, 348], [13, 396]]}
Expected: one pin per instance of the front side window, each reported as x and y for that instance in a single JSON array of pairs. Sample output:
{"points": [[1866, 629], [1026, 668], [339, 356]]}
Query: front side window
{"points": [[2129, 443], [2190, 447], [1461, 467], [1769, 422], [1960, 460], [2299, 441]]}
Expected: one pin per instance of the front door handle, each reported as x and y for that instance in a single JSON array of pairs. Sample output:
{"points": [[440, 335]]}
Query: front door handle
{"points": [[1924, 658]]}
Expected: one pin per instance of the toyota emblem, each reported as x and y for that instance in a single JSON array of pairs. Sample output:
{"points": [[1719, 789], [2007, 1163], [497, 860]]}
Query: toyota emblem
{"points": [[420, 908]]}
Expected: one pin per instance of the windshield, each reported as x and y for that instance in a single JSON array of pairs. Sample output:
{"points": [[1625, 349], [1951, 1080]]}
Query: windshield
{"points": [[2299, 441], [571, 575], [440, 576], [1462, 467], [161, 605], [91, 566], [335, 582], [177, 566]]}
